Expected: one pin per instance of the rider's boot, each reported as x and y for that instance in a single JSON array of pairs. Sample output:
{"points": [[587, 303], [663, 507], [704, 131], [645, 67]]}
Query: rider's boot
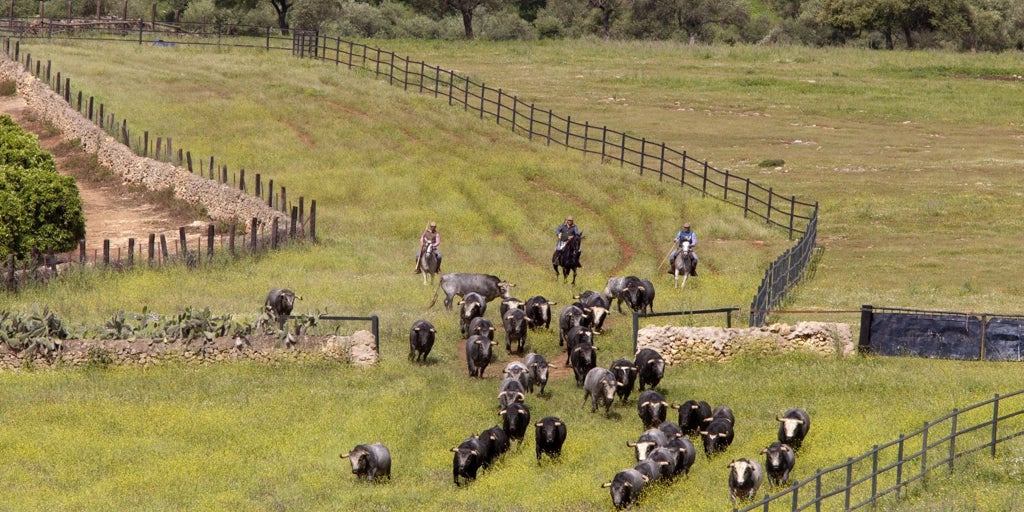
{"points": [[693, 270]]}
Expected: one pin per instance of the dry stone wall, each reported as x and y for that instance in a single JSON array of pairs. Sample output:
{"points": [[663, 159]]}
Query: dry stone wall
{"points": [[222, 203], [359, 349], [688, 344]]}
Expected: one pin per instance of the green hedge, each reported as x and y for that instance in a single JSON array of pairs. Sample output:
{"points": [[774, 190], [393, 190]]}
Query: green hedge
{"points": [[40, 210]]}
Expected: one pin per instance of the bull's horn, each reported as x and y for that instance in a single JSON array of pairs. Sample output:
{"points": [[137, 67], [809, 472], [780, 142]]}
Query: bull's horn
{"points": [[800, 422], [433, 330], [778, 419], [503, 411], [474, 452], [417, 328], [494, 343], [646, 478], [558, 423], [521, 396], [785, 447], [345, 455], [663, 463], [552, 303], [764, 451], [709, 418], [606, 485], [455, 449], [539, 424], [674, 406], [629, 444], [645, 404], [625, 484], [477, 342], [664, 403]]}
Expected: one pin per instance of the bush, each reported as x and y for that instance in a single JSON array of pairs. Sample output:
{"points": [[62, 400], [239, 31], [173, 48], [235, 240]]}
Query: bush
{"points": [[8, 87], [40, 209]]}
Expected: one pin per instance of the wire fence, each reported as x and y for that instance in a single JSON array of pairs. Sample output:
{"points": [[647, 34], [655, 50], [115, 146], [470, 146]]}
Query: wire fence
{"points": [[889, 469], [647, 157]]}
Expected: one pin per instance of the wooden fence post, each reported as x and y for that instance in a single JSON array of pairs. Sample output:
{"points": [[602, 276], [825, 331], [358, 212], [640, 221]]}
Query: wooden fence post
{"points": [[231, 239], [312, 220], [131, 252], [209, 240], [252, 235], [106, 253], [183, 241], [273, 235], [81, 251], [295, 217], [152, 248]]}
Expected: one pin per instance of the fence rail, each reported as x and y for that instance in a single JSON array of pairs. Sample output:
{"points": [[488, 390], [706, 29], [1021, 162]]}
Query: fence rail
{"points": [[647, 157], [945, 334], [890, 468]]}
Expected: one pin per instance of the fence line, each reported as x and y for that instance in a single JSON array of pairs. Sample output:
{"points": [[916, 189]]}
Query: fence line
{"points": [[157, 250], [890, 468], [654, 159]]}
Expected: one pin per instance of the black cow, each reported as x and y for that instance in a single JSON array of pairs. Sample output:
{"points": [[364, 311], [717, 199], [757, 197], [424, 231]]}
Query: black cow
{"points": [[745, 477], [582, 358], [571, 316], [478, 354], [421, 340], [670, 429], [779, 460], [793, 427], [599, 386], [279, 303], [665, 459], [723, 412], [515, 323], [515, 420], [497, 444], [649, 468], [626, 487], [686, 453], [538, 309], [370, 461], [718, 436], [646, 302], [652, 408], [577, 335], [549, 436], [510, 391], [468, 458], [650, 367], [623, 289], [490, 287], [471, 306], [596, 305], [694, 416], [649, 440], [510, 304], [538, 371], [481, 326], [625, 378]]}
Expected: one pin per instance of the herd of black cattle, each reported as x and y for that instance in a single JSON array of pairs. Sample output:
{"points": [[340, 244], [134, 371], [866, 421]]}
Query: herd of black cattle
{"points": [[663, 451]]}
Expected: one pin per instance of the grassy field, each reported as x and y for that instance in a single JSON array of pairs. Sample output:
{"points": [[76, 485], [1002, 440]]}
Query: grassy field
{"points": [[914, 157]]}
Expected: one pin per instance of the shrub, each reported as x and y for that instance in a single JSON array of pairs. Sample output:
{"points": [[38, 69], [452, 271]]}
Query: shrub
{"points": [[8, 87]]}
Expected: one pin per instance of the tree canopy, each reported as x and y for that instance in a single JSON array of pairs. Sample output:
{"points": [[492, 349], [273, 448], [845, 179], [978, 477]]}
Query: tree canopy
{"points": [[40, 210]]}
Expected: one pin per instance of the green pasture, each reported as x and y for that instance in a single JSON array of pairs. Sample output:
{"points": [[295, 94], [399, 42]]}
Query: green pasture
{"points": [[913, 157]]}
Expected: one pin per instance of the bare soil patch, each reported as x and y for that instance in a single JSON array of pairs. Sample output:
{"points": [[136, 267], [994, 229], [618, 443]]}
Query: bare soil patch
{"points": [[114, 210]]}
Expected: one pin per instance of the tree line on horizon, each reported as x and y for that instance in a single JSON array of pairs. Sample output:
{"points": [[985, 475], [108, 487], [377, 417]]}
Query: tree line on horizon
{"points": [[957, 25]]}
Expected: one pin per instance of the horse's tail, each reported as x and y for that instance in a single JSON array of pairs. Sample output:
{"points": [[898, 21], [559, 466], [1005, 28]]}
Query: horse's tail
{"points": [[436, 291]]}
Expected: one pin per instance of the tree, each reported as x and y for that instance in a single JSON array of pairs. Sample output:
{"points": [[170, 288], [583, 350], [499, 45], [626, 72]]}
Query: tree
{"points": [[464, 8], [693, 18], [889, 16], [608, 8], [40, 210], [281, 7]]}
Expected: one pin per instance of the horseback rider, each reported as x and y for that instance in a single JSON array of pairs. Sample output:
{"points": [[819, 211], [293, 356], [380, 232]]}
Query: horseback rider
{"points": [[685, 235], [429, 236], [563, 233]]}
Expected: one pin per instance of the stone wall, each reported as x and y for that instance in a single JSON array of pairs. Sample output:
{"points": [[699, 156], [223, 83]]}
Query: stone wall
{"points": [[222, 202], [359, 349], [688, 344]]}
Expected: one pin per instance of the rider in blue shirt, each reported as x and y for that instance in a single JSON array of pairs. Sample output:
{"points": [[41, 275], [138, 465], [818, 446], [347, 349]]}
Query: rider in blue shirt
{"points": [[685, 235], [563, 233]]}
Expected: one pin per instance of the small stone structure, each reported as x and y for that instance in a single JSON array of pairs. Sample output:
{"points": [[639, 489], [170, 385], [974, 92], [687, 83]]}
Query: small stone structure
{"points": [[688, 344], [222, 203], [359, 350]]}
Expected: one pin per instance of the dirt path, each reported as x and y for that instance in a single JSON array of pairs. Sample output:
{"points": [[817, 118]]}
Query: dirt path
{"points": [[113, 211]]}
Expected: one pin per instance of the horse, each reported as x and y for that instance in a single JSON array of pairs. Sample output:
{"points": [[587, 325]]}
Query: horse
{"points": [[568, 259], [682, 264], [428, 262]]}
